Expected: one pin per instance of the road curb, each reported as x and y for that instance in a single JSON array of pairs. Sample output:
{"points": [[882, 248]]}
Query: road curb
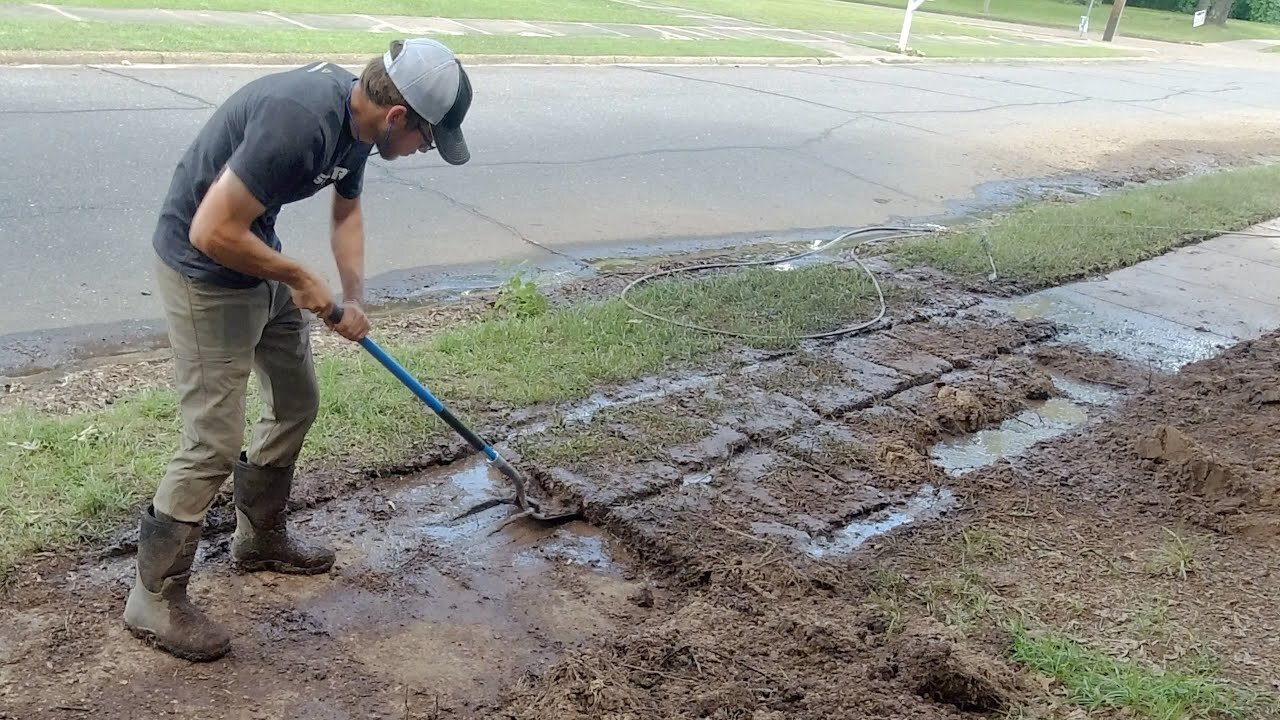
{"points": [[149, 58]]}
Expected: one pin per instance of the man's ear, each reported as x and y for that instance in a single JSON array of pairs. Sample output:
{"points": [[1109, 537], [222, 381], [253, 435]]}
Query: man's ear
{"points": [[396, 115]]}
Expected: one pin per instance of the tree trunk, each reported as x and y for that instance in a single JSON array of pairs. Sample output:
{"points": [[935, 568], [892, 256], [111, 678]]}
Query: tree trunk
{"points": [[1219, 11]]}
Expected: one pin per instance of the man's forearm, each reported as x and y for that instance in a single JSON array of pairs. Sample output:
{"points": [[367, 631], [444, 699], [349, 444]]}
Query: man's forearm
{"points": [[244, 252], [348, 253]]}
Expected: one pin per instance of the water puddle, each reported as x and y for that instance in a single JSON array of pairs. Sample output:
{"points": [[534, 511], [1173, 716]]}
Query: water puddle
{"points": [[927, 503], [1101, 326], [435, 601], [699, 478], [1018, 434]]}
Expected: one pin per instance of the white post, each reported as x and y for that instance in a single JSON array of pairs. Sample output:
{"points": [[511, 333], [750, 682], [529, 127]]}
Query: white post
{"points": [[906, 23], [1084, 21]]}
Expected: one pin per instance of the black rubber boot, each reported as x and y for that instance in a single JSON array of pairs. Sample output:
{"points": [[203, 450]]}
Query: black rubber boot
{"points": [[262, 541], [158, 610]]}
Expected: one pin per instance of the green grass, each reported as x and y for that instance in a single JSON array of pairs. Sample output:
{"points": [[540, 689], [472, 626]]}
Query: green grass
{"points": [[1135, 22], [1097, 680], [1273, 48], [103, 36], [766, 301], [1045, 243], [950, 49], [826, 15], [853, 17], [70, 478], [566, 10]]}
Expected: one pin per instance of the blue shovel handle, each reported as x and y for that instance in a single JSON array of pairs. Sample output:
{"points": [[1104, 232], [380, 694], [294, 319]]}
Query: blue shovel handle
{"points": [[335, 317]]}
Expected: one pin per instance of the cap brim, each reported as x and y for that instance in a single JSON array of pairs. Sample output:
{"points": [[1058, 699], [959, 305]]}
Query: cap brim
{"points": [[451, 144]]}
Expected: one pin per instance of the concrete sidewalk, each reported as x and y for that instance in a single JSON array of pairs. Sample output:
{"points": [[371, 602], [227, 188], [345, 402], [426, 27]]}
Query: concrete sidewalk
{"points": [[1178, 308]]}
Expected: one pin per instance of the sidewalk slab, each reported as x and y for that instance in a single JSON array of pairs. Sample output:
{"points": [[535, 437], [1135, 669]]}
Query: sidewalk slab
{"points": [[1172, 310]]}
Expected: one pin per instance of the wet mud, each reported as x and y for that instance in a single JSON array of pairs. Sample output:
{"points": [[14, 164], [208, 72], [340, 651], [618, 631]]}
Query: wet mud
{"points": [[419, 612], [730, 563]]}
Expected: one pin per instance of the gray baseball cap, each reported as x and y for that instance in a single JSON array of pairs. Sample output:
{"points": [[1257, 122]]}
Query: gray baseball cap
{"points": [[432, 81]]}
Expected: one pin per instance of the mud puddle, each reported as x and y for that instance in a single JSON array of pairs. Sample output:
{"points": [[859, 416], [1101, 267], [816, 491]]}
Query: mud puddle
{"points": [[1017, 435], [418, 610], [928, 503]]}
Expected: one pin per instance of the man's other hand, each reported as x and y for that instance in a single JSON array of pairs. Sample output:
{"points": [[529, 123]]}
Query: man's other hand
{"points": [[354, 325]]}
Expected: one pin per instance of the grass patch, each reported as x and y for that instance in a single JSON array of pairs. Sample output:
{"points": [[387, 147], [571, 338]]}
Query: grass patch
{"points": [[566, 10], [960, 49], [1045, 243], [157, 37], [827, 15], [857, 18], [1097, 680], [1136, 22], [72, 478], [617, 437], [766, 301]]}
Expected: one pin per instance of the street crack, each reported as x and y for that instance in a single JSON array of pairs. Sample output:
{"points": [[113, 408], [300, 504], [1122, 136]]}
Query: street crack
{"points": [[481, 215], [204, 103]]}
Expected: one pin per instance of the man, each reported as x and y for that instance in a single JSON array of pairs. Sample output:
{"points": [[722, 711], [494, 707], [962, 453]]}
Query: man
{"points": [[234, 302]]}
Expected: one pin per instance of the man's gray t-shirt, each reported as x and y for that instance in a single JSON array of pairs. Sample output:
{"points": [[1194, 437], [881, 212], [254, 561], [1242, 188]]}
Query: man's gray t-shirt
{"points": [[287, 135]]}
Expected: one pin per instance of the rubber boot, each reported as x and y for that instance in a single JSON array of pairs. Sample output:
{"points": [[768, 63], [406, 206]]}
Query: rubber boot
{"points": [[262, 540], [158, 610]]}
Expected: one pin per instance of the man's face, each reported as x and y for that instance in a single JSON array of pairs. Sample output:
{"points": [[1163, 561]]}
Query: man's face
{"points": [[406, 137]]}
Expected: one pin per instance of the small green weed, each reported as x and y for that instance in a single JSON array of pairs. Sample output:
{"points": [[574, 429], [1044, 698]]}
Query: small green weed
{"points": [[520, 298], [1175, 558]]}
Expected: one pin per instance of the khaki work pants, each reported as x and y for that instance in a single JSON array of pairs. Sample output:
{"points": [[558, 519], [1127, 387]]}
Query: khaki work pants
{"points": [[217, 336]]}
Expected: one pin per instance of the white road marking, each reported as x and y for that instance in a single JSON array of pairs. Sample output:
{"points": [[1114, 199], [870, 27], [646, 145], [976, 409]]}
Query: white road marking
{"points": [[278, 16], [59, 10]]}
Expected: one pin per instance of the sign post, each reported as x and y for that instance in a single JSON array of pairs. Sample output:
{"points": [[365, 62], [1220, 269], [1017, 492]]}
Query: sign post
{"points": [[1084, 21], [906, 23], [1199, 18]]}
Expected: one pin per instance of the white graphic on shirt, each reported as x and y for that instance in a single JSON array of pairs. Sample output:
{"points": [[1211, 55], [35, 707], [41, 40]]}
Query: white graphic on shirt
{"points": [[335, 174]]}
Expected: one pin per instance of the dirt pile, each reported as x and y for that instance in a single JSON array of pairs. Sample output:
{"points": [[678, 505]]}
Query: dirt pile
{"points": [[935, 663], [729, 658], [1206, 435]]}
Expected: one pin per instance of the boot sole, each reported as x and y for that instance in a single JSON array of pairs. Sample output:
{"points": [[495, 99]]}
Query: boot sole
{"points": [[150, 638], [249, 566]]}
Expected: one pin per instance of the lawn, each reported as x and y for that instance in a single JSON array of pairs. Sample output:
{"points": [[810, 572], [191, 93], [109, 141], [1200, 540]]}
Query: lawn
{"points": [[159, 37], [826, 15], [1135, 22], [852, 17], [1047, 243], [567, 10]]}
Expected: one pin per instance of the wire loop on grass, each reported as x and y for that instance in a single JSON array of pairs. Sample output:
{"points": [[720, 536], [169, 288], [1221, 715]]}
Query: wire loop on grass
{"points": [[901, 233]]}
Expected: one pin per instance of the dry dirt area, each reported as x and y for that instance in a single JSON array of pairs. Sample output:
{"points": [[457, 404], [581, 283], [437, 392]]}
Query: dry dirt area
{"points": [[836, 533]]}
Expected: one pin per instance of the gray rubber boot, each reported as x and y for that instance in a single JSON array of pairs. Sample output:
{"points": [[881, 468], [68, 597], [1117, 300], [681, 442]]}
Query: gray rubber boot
{"points": [[158, 610], [262, 540]]}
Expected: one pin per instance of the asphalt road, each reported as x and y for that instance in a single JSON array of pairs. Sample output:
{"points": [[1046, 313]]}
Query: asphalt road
{"points": [[568, 163]]}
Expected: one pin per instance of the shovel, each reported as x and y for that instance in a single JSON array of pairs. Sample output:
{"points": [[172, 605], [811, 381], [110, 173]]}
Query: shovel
{"points": [[528, 508]]}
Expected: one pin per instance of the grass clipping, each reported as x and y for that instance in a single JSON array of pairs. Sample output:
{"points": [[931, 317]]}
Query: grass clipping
{"points": [[1043, 244]]}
